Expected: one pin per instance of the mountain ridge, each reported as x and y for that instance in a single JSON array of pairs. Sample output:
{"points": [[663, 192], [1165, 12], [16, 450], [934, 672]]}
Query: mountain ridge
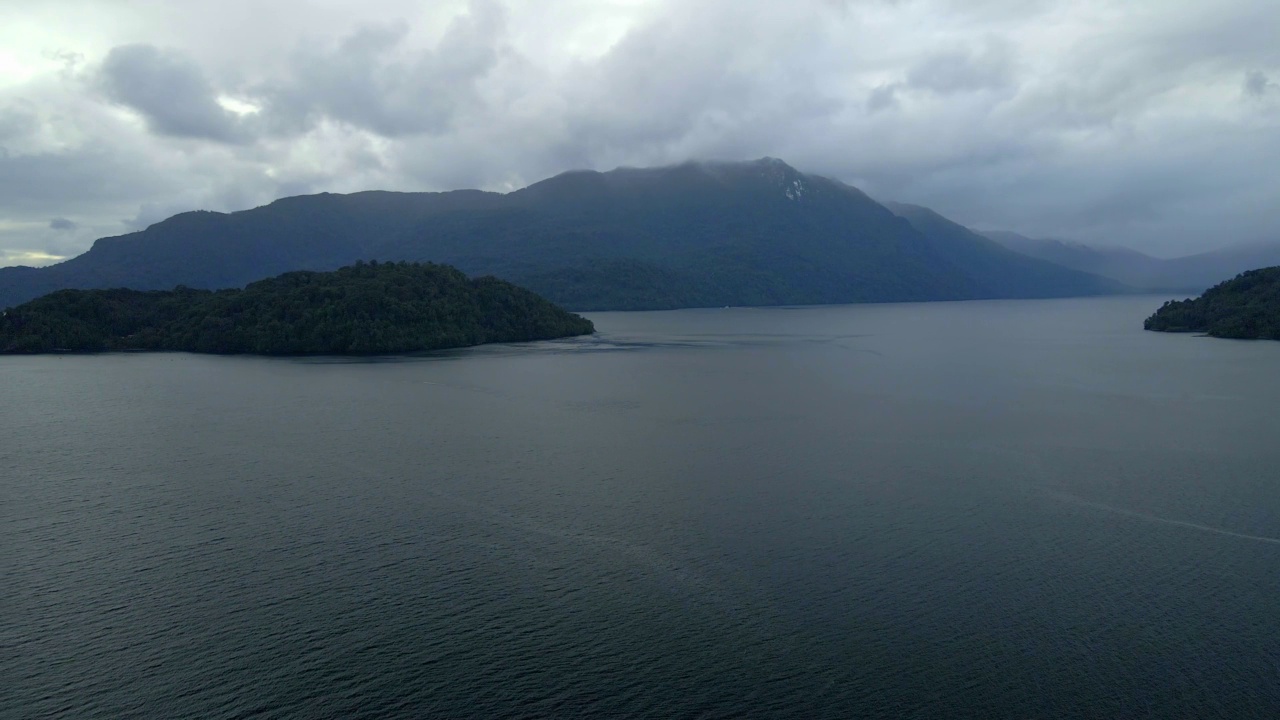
{"points": [[1188, 273], [695, 233], [1034, 278]]}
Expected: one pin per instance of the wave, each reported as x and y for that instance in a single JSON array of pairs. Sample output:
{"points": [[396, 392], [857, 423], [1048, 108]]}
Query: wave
{"points": [[1076, 500]]}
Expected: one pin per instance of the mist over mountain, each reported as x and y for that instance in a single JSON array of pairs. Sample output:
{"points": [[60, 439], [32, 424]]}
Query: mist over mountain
{"points": [[694, 234], [1003, 272], [1191, 273]]}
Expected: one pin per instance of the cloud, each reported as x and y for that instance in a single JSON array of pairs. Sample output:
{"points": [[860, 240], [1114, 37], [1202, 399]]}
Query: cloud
{"points": [[374, 80], [1150, 123], [62, 224], [44, 183], [964, 70], [16, 122], [883, 97], [1256, 84], [169, 90]]}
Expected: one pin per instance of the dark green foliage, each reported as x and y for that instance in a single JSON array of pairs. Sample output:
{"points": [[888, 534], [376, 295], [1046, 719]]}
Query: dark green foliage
{"points": [[1246, 307], [696, 234], [620, 285], [363, 309]]}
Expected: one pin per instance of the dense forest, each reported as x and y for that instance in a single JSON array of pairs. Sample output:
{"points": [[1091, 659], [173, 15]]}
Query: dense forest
{"points": [[1245, 307], [362, 309]]}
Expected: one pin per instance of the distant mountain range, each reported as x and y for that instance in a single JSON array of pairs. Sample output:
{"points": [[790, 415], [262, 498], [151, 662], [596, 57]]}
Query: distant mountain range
{"points": [[1192, 273], [695, 234]]}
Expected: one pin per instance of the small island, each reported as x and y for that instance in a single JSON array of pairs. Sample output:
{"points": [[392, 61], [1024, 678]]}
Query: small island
{"points": [[1245, 307], [364, 309]]}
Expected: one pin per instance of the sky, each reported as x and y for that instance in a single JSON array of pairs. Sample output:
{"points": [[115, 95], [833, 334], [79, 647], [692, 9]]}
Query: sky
{"points": [[1153, 124]]}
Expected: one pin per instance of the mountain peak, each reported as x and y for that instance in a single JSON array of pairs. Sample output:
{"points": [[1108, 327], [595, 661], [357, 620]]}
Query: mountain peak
{"points": [[777, 175], [711, 233], [767, 164]]}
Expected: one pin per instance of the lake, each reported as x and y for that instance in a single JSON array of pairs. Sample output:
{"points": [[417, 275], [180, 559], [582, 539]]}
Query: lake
{"points": [[1010, 509]]}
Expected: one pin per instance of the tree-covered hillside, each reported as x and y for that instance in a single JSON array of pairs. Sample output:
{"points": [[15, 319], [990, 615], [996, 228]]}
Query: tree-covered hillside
{"points": [[363, 309], [694, 234], [1247, 306]]}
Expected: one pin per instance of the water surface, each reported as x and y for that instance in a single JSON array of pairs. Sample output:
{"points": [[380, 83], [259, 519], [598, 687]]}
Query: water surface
{"points": [[987, 509]]}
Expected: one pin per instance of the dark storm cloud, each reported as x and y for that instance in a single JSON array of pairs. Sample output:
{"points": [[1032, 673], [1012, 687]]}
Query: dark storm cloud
{"points": [[62, 224], [169, 90]]}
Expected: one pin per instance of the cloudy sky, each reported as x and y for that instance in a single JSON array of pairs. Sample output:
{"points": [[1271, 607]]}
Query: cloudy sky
{"points": [[1148, 123]]}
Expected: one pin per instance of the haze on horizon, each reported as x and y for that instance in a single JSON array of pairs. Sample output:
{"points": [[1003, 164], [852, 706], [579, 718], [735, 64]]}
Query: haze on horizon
{"points": [[1151, 124]]}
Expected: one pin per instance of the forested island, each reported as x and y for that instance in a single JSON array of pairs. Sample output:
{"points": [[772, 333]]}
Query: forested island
{"points": [[363, 309], [1245, 307]]}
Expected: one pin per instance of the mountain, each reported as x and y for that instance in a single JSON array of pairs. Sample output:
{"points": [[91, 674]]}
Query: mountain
{"points": [[363, 309], [1192, 273], [695, 234], [1245, 307], [1197, 272], [1001, 272], [1128, 266]]}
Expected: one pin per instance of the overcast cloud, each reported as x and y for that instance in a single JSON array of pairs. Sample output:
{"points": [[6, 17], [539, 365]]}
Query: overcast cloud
{"points": [[1153, 124]]}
